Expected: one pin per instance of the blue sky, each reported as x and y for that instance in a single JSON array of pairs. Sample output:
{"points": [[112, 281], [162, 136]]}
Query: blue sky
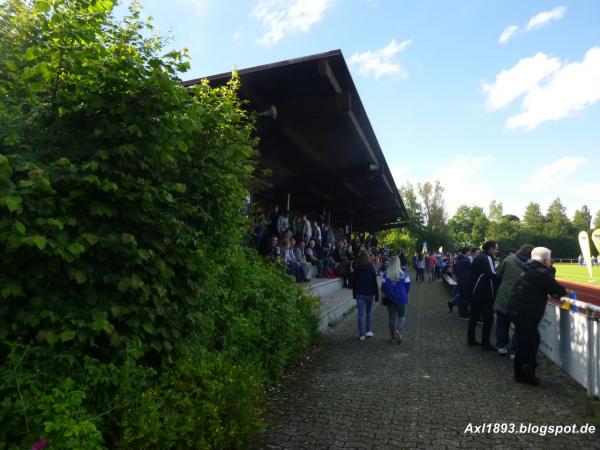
{"points": [[499, 100]]}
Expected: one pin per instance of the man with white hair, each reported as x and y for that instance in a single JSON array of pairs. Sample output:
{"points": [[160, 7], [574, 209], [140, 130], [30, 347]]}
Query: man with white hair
{"points": [[527, 305]]}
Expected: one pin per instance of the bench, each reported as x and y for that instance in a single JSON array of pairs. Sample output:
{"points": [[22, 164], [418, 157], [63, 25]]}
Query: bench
{"points": [[450, 283]]}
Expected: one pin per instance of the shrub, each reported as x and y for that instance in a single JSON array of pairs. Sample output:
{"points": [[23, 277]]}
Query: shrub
{"points": [[131, 315]]}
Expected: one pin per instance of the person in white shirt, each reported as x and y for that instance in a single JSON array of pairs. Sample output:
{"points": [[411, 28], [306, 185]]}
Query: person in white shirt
{"points": [[306, 229], [283, 223]]}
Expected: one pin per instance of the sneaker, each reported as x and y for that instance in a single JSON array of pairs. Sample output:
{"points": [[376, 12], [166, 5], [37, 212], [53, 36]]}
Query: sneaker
{"points": [[397, 337], [464, 317], [503, 351], [369, 334], [512, 356], [361, 338]]}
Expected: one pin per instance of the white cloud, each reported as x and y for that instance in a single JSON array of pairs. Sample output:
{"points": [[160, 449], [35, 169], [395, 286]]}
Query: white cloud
{"points": [[552, 174], [541, 19], [237, 37], [568, 91], [284, 17], [463, 178], [200, 6], [379, 63], [507, 34], [519, 79], [536, 22]]}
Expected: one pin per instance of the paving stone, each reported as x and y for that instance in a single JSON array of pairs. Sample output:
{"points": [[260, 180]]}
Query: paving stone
{"points": [[422, 393]]}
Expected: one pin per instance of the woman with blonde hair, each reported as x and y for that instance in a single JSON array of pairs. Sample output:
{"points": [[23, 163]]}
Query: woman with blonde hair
{"points": [[395, 287]]}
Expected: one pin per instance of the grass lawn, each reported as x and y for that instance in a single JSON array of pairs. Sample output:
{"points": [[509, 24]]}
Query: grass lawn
{"points": [[579, 274]]}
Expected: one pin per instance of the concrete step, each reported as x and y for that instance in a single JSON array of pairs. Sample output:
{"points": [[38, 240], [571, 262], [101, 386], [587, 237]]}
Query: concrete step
{"points": [[322, 287], [334, 306], [335, 301]]}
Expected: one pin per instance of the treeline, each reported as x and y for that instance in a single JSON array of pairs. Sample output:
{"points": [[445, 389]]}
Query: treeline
{"points": [[470, 226]]}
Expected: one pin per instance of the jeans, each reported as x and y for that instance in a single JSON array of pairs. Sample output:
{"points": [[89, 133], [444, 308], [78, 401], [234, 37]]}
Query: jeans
{"points": [[396, 317], [431, 273], [364, 304], [455, 296]]}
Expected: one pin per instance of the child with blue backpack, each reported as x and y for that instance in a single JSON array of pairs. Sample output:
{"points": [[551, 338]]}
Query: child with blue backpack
{"points": [[395, 287]]}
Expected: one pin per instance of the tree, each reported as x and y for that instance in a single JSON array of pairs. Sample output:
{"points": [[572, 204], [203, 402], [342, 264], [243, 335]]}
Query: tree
{"points": [[495, 211], [125, 289], [435, 232], [582, 219], [416, 220], [557, 223], [597, 220], [468, 226], [432, 196], [533, 219], [508, 232]]}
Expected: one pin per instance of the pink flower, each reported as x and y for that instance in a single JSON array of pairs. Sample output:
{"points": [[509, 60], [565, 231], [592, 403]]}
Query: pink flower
{"points": [[39, 444]]}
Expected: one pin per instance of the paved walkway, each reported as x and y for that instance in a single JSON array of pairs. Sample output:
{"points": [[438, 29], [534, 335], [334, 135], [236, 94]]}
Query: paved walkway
{"points": [[420, 394]]}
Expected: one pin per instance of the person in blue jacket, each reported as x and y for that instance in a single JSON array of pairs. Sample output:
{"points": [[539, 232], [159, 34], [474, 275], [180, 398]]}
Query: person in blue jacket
{"points": [[395, 287], [365, 290]]}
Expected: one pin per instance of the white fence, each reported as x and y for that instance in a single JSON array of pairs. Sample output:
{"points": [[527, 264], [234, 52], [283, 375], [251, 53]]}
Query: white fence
{"points": [[572, 341]]}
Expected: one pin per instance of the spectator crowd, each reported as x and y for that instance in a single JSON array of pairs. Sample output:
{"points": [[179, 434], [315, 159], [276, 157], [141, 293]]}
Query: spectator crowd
{"points": [[514, 292]]}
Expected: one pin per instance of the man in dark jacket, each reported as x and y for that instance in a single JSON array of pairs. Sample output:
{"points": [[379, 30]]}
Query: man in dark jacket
{"points": [[482, 292], [462, 268], [527, 305]]}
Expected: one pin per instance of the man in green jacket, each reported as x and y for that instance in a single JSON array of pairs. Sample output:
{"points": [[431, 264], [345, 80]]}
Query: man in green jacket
{"points": [[509, 272]]}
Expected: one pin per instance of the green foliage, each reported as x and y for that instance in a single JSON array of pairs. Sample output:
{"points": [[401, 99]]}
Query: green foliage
{"points": [[125, 287], [399, 239], [582, 219], [597, 220], [469, 226]]}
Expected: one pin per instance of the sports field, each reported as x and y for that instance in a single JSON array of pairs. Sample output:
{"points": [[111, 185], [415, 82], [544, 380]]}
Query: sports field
{"points": [[579, 274]]}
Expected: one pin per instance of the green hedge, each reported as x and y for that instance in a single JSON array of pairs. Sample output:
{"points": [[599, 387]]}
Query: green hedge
{"points": [[131, 315]]}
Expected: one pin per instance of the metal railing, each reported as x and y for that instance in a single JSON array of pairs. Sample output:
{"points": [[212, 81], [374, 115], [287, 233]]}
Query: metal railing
{"points": [[570, 337]]}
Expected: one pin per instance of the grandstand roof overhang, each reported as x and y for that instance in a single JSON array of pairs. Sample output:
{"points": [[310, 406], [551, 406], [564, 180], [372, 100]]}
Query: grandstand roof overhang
{"points": [[321, 148]]}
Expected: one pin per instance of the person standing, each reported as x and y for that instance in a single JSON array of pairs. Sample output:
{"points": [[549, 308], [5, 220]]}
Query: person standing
{"points": [[316, 235], [431, 265], [283, 223], [403, 260], [527, 305], [364, 290], [273, 220], [509, 272], [421, 267], [396, 286], [414, 262], [462, 268], [306, 229], [483, 291]]}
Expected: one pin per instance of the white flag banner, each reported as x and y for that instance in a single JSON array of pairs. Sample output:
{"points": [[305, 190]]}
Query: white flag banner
{"points": [[584, 243], [596, 239]]}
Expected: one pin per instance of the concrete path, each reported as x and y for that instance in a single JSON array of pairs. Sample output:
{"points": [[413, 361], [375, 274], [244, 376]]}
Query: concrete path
{"points": [[423, 393]]}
